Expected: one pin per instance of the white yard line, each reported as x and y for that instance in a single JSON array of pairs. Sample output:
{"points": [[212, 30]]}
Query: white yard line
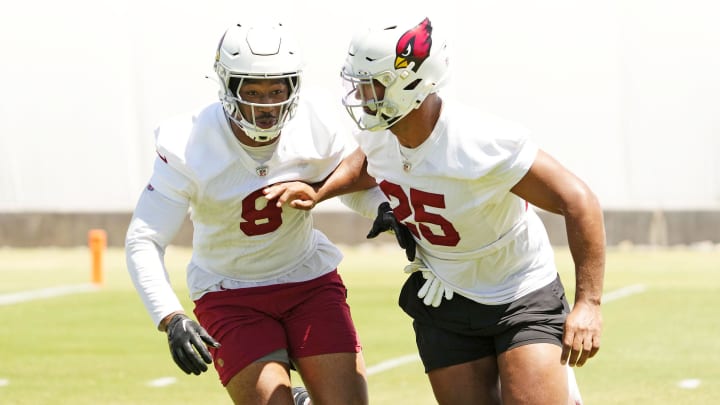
{"points": [[624, 292], [162, 382], [31, 295], [689, 384], [392, 363]]}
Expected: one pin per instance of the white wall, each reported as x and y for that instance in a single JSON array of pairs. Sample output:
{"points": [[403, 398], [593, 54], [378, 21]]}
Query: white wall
{"points": [[625, 93]]}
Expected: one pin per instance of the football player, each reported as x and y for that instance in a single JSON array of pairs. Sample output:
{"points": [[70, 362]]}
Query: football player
{"points": [[484, 293], [266, 291]]}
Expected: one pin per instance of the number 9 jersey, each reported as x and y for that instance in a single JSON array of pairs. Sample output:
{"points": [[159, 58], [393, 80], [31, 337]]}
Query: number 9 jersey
{"points": [[240, 239]]}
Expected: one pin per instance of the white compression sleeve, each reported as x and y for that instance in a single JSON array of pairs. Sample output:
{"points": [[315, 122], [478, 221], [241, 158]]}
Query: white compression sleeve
{"points": [[364, 202], [155, 223]]}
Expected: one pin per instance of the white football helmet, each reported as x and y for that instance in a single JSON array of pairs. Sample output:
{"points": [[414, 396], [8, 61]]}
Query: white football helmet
{"points": [[250, 51], [409, 60]]}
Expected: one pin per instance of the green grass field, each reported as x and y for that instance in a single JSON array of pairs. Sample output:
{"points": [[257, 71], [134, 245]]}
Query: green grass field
{"points": [[101, 347]]}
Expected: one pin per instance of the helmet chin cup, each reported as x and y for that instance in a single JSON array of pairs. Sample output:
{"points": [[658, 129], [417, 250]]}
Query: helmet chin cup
{"points": [[372, 123], [254, 132], [263, 136]]}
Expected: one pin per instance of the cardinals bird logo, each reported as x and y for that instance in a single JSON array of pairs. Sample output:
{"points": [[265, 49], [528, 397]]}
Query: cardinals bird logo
{"points": [[414, 46]]}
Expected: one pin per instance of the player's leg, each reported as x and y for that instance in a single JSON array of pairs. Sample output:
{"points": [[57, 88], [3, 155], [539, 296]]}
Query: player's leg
{"points": [[461, 369], [323, 343], [474, 382], [532, 374], [334, 378], [264, 382], [574, 397], [530, 348], [458, 357], [252, 361]]}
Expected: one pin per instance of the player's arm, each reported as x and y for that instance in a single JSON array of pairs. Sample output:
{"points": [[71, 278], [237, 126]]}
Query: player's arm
{"points": [[349, 176], [155, 222], [550, 186], [357, 189]]}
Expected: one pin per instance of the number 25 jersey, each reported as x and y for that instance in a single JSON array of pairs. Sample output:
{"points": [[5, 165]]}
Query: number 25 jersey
{"points": [[453, 193]]}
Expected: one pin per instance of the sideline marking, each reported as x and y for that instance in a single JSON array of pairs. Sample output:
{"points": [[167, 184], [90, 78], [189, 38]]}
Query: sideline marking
{"points": [[24, 296], [608, 297], [392, 363], [623, 292], [689, 384], [162, 382]]}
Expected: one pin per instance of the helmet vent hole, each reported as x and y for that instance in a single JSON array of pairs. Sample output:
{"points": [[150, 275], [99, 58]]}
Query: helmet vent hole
{"points": [[412, 85]]}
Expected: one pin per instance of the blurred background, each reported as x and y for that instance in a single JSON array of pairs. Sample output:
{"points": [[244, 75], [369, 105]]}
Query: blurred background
{"points": [[625, 93]]}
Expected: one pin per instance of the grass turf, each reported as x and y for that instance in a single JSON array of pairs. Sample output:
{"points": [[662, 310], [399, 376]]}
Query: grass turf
{"points": [[101, 348]]}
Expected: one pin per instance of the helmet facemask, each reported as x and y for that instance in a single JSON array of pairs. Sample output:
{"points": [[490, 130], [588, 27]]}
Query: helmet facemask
{"points": [[402, 92], [370, 110], [253, 117], [401, 63]]}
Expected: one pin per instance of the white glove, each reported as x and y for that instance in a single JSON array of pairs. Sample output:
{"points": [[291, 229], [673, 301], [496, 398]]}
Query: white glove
{"points": [[434, 289]]}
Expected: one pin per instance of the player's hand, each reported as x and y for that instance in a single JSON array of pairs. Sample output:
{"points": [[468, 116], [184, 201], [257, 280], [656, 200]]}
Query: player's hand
{"points": [[386, 221], [433, 291], [581, 337], [186, 339], [297, 194]]}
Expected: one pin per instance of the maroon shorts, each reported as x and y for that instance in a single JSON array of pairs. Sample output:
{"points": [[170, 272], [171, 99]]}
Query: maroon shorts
{"points": [[306, 319]]}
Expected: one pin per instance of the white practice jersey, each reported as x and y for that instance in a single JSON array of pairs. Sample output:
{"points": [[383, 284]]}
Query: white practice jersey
{"points": [[453, 194], [240, 239]]}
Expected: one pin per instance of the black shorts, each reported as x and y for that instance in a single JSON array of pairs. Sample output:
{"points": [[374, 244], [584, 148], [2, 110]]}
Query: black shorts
{"points": [[461, 330]]}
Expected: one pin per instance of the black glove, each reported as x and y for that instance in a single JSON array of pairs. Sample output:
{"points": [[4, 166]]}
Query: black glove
{"points": [[184, 333], [386, 221]]}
